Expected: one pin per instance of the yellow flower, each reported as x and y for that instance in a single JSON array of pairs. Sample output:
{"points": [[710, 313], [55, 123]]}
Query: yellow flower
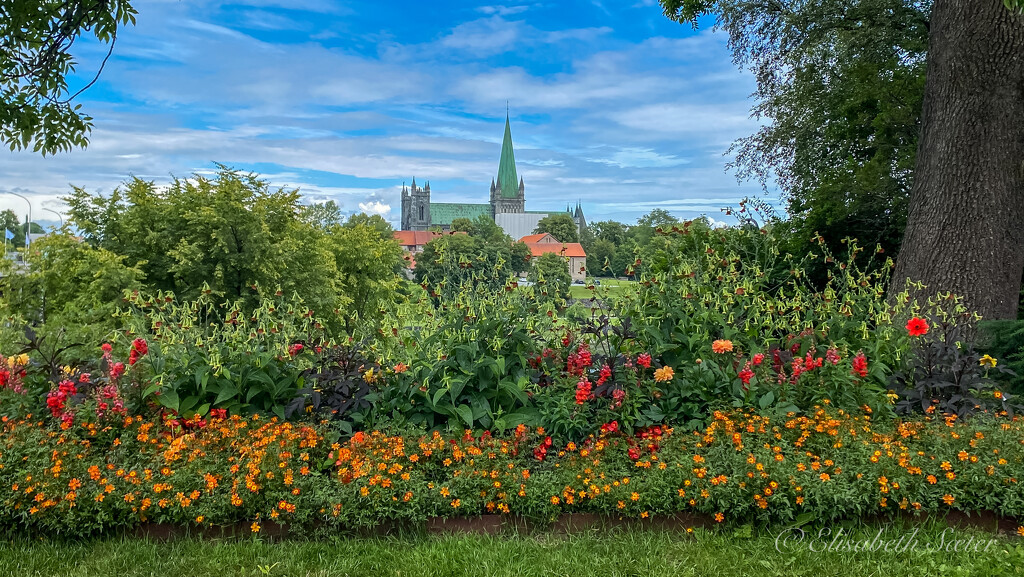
{"points": [[987, 360], [369, 376], [255, 527], [664, 374], [998, 395], [722, 346]]}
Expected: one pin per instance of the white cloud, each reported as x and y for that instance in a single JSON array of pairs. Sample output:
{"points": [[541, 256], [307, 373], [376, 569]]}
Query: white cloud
{"points": [[375, 207]]}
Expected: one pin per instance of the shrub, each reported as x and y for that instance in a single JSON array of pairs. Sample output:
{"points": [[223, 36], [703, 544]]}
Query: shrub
{"points": [[204, 356], [946, 374]]}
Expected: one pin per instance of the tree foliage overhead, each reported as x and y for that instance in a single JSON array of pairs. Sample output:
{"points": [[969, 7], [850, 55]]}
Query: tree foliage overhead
{"points": [[560, 226], [36, 38], [840, 84]]}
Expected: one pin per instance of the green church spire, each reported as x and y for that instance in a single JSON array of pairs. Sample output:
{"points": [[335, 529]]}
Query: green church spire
{"points": [[508, 181]]}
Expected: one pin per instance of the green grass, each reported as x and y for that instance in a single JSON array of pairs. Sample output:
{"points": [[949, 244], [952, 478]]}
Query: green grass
{"points": [[605, 553], [609, 286]]}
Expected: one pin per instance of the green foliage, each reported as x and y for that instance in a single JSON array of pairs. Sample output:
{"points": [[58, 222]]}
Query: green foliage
{"points": [[204, 355], [561, 226], [68, 286], [841, 125], [462, 224], [9, 221], [453, 262], [550, 273], [467, 362], [947, 375], [231, 232], [1004, 341], [699, 285], [36, 109]]}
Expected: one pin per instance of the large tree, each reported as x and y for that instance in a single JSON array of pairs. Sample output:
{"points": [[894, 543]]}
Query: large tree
{"points": [[848, 74], [37, 108], [839, 88], [965, 230], [561, 226]]}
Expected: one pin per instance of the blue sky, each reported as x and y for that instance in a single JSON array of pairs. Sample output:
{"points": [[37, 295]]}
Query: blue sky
{"points": [[611, 104]]}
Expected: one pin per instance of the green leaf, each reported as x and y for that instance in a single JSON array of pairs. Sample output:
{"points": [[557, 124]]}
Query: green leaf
{"points": [[466, 412], [170, 400], [767, 399], [227, 391]]}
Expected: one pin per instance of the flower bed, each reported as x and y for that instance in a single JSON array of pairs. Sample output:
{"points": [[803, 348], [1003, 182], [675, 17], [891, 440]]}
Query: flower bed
{"points": [[222, 471]]}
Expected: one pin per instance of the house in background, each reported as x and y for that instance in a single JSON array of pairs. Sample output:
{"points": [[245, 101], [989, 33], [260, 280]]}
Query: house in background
{"points": [[573, 252]]}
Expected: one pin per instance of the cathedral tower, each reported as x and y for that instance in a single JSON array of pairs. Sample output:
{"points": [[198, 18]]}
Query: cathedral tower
{"points": [[416, 207], [508, 193]]}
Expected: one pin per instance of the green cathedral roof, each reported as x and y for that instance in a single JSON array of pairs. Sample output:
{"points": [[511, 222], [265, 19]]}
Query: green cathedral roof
{"points": [[442, 213], [508, 180]]}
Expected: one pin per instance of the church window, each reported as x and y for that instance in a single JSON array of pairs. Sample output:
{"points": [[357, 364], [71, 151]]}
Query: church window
{"points": [[421, 213]]}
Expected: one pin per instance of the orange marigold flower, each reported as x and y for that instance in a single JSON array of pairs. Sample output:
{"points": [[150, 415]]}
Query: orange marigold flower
{"points": [[722, 346], [664, 374], [255, 527], [719, 517], [401, 368], [948, 499], [1020, 530]]}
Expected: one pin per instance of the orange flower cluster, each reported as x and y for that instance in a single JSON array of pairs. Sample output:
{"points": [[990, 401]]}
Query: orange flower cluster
{"points": [[741, 466]]}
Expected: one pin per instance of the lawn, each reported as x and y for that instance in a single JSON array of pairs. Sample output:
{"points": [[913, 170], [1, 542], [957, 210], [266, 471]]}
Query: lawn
{"points": [[608, 286], [606, 553]]}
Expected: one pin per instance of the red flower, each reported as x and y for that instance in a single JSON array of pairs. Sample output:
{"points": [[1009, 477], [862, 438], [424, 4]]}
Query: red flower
{"points": [[758, 358], [917, 327], [583, 391], [644, 360], [295, 349], [860, 365], [140, 345], [611, 427], [745, 375], [106, 348]]}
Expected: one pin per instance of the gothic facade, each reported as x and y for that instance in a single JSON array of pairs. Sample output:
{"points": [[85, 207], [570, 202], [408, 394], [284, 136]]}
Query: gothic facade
{"points": [[507, 206]]}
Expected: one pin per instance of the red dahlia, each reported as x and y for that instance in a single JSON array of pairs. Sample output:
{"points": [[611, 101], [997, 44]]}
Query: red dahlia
{"points": [[917, 327]]}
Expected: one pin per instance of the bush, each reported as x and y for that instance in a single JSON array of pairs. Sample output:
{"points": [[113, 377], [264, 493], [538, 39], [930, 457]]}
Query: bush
{"points": [[204, 356]]}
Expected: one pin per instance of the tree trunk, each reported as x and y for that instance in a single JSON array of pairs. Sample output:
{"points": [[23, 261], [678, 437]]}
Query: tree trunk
{"points": [[965, 227]]}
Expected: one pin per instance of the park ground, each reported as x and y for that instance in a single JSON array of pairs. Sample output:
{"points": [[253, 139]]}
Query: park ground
{"points": [[608, 553], [608, 286]]}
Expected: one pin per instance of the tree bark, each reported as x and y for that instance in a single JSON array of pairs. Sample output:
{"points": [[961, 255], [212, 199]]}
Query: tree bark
{"points": [[965, 227]]}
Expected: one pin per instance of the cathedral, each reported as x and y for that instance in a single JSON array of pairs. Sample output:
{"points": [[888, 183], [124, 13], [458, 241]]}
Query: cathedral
{"points": [[507, 204]]}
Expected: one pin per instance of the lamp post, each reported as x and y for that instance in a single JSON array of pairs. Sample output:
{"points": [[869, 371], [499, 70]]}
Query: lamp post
{"points": [[28, 225], [58, 215]]}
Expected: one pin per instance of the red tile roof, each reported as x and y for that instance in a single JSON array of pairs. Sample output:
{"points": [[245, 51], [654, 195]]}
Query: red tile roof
{"points": [[536, 238], [570, 249], [415, 237]]}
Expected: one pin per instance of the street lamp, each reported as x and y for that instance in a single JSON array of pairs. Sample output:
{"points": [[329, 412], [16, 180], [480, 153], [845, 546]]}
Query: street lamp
{"points": [[28, 225], [58, 215]]}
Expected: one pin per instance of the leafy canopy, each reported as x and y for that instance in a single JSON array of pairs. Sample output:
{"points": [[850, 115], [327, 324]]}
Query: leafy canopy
{"points": [[36, 104], [839, 91], [560, 226]]}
